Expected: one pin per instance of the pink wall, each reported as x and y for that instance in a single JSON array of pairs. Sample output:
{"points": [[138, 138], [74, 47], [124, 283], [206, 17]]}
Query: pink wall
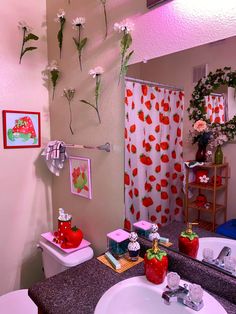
{"points": [[25, 209]]}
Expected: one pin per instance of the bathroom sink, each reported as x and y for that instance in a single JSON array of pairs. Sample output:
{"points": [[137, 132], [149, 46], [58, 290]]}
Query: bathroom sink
{"points": [[216, 244], [138, 296]]}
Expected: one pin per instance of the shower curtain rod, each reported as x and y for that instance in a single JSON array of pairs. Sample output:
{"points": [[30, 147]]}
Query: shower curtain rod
{"points": [[106, 147], [131, 79], [215, 94]]}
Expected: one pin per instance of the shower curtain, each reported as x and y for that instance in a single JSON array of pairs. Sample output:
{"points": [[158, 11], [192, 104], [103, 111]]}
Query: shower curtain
{"points": [[153, 154], [215, 108]]}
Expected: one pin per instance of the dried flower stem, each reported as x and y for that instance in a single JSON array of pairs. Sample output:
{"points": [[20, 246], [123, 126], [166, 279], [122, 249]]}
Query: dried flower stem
{"points": [[22, 46], [97, 94], [70, 123], [69, 94], [105, 17]]}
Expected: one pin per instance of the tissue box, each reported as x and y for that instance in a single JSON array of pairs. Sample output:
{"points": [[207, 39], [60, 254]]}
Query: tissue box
{"points": [[117, 242], [143, 228]]}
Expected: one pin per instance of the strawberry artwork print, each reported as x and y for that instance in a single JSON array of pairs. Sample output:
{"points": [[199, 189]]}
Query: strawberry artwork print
{"points": [[153, 154], [80, 176], [23, 129], [79, 179]]}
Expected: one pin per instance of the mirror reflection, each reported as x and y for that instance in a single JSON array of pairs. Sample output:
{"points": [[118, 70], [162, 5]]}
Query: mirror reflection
{"points": [[156, 137]]}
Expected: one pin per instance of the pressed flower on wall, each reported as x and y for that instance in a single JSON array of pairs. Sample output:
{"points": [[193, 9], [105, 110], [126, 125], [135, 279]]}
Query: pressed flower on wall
{"points": [[104, 2], [54, 75], [78, 24], [125, 27], [69, 95], [96, 73], [27, 36], [60, 19]]}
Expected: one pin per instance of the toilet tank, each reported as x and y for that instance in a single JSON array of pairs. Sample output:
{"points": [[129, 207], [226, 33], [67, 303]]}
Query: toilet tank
{"points": [[55, 261]]}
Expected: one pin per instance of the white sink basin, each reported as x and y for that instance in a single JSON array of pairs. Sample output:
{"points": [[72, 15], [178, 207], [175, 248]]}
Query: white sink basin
{"points": [[216, 244], [139, 296]]}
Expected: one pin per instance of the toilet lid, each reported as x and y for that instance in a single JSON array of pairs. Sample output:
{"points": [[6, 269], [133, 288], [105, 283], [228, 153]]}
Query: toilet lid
{"points": [[17, 302]]}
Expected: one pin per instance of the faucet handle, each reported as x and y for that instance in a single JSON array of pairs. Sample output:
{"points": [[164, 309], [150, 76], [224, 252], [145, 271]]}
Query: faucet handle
{"points": [[195, 293], [173, 280]]}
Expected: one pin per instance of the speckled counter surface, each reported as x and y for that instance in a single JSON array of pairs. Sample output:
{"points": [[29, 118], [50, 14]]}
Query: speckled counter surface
{"points": [[78, 289]]}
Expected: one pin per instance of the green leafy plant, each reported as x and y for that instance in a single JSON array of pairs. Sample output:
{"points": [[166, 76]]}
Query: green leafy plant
{"points": [[78, 23], [69, 95], [54, 75], [62, 20], [103, 2], [27, 36], [125, 27], [96, 73]]}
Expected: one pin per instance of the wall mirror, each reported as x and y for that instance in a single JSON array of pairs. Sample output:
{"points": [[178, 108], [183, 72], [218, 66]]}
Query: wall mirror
{"points": [[183, 70]]}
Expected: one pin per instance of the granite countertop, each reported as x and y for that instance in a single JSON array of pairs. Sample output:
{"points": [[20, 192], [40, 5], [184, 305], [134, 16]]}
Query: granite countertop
{"points": [[78, 289]]}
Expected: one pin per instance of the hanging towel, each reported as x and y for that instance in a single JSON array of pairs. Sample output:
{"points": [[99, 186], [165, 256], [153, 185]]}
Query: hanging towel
{"points": [[55, 155]]}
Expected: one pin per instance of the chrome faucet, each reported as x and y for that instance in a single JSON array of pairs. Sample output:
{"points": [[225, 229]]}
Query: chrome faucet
{"points": [[226, 251], [219, 262], [189, 296], [170, 295]]}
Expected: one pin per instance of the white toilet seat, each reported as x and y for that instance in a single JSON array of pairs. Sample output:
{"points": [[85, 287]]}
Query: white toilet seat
{"points": [[17, 302]]}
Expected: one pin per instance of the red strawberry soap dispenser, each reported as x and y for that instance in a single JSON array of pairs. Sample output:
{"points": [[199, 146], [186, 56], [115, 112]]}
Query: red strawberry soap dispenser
{"points": [[188, 241], [155, 264]]}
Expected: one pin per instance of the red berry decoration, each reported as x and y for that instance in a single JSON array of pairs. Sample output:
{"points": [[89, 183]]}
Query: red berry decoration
{"points": [[147, 201], [155, 264], [188, 242]]}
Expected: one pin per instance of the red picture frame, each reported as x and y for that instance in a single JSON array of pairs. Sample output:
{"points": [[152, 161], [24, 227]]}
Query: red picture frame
{"points": [[21, 129]]}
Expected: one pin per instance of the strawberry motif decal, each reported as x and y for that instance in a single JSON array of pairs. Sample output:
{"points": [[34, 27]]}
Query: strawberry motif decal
{"points": [[23, 129]]}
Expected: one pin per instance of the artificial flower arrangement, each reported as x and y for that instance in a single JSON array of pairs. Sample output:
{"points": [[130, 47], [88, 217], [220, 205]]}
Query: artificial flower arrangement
{"points": [[27, 36], [78, 24], [125, 27], [96, 73], [54, 73], [103, 2], [205, 87], [69, 95], [62, 20], [201, 133]]}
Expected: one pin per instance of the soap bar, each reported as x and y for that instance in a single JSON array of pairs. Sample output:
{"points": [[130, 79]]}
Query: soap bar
{"points": [[115, 264], [164, 240]]}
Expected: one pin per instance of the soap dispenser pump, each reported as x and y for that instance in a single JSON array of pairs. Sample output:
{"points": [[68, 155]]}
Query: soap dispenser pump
{"points": [[188, 241], [155, 264]]}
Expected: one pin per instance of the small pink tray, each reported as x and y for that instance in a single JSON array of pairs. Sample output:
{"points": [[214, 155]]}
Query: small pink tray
{"points": [[49, 237]]}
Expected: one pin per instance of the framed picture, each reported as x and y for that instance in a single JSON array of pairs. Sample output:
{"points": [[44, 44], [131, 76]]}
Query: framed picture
{"points": [[80, 176], [21, 129]]}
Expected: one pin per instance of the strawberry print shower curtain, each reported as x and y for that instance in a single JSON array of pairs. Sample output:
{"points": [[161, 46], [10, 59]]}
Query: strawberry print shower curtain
{"points": [[215, 108], [153, 154]]}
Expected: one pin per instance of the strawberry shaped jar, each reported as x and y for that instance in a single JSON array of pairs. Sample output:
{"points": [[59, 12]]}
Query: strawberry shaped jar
{"points": [[155, 264], [188, 241]]}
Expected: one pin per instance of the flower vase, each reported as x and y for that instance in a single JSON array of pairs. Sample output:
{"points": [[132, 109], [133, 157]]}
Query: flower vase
{"points": [[201, 153], [219, 156]]}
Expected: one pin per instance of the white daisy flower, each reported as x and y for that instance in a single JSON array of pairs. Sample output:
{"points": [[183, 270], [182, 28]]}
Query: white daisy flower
{"points": [[52, 66], [96, 71], [78, 21], [22, 25], [60, 15], [124, 26]]}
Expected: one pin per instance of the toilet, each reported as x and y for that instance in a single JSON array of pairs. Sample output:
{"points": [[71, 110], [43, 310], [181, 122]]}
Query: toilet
{"points": [[54, 262]]}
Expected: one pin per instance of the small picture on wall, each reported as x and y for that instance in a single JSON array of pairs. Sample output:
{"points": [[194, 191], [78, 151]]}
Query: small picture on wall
{"points": [[80, 176], [21, 129]]}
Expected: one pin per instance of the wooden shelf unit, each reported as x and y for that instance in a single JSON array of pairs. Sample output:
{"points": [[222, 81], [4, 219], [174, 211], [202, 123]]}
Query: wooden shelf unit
{"points": [[223, 171]]}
